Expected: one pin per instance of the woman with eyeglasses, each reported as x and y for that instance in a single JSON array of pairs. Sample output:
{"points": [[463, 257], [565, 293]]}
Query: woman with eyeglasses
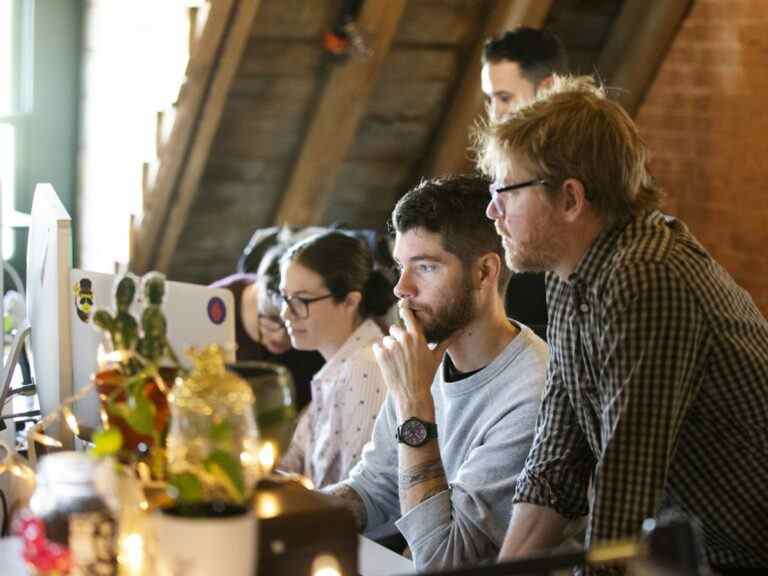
{"points": [[260, 332], [330, 295]]}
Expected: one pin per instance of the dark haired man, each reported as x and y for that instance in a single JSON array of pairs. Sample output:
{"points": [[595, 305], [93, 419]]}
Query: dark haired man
{"points": [[517, 64], [458, 420]]}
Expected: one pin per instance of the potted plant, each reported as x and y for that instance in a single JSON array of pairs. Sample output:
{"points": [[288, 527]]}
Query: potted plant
{"points": [[212, 449], [136, 373]]}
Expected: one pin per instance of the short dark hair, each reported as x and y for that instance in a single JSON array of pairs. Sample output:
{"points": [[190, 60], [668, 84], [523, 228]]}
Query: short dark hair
{"points": [[453, 207], [539, 53], [346, 265]]}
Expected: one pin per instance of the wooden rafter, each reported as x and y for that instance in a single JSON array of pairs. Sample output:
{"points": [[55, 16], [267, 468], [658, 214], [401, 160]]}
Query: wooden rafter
{"points": [[211, 69], [340, 109], [638, 41], [450, 153]]}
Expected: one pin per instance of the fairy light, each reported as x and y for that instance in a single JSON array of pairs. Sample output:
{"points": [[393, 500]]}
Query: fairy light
{"points": [[104, 418], [45, 440], [71, 420], [145, 474], [16, 466], [267, 505], [306, 482], [326, 565], [63, 412], [131, 556], [267, 456]]}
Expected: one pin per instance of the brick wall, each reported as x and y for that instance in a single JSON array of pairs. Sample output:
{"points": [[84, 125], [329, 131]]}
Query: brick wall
{"points": [[706, 120]]}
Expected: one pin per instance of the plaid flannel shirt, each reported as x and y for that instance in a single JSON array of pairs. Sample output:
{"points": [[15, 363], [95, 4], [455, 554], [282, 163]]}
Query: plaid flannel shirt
{"points": [[657, 394]]}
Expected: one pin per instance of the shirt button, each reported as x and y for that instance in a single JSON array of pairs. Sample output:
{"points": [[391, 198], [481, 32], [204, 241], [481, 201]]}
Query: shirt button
{"points": [[584, 308]]}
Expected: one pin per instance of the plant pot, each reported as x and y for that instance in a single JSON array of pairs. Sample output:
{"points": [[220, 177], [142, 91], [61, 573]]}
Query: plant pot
{"points": [[111, 385], [220, 540]]}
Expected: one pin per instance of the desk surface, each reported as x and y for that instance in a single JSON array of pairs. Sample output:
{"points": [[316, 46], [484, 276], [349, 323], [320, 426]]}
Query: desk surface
{"points": [[375, 560]]}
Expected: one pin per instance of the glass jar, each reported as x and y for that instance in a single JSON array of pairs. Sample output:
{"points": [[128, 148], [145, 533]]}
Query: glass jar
{"points": [[68, 527], [213, 441], [272, 385]]}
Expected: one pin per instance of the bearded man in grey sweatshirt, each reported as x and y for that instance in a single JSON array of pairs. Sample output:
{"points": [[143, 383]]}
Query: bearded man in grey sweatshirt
{"points": [[464, 386]]}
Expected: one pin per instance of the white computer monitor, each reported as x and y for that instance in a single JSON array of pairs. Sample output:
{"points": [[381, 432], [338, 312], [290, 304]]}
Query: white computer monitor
{"points": [[64, 347], [49, 257]]}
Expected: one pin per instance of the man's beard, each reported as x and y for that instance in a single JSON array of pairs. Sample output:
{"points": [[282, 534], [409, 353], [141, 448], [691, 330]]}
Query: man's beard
{"points": [[453, 315], [537, 254], [531, 258]]}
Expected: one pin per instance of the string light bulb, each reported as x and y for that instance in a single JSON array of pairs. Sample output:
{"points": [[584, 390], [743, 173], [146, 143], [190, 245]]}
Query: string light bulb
{"points": [[46, 440], [71, 420], [267, 456], [326, 565], [131, 556]]}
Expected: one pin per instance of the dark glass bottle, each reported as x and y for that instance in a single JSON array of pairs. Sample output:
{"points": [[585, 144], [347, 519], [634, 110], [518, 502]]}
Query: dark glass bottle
{"points": [[69, 524]]}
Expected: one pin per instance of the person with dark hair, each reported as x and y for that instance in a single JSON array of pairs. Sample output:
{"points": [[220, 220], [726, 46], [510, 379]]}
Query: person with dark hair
{"points": [[330, 293], [464, 385], [657, 387], [259, 331], [517, 64]]}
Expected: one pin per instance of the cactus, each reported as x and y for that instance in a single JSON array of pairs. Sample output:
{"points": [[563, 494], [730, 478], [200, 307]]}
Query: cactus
{"points": [[133, 386], [153, 345]]}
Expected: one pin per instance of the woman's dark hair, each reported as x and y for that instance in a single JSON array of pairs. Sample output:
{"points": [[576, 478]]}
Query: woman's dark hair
{"points": [[268, 271], [346, 265]]}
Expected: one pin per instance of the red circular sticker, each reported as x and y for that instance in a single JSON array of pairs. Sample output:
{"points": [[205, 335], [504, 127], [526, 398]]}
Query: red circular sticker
{"points": [[217, 310]]}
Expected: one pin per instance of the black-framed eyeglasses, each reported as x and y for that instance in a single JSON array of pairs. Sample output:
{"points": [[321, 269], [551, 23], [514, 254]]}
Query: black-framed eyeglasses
{"points": [[299, 306], [496, 189]]}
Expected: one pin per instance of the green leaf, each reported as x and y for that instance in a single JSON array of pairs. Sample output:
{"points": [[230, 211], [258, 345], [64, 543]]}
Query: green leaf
{"points": [[221, 433], [140, 414], [229, 470], [189, 487], [106, 442]]}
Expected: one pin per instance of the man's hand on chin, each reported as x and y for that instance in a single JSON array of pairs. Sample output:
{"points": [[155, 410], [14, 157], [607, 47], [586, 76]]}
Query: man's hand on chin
{"points": [[408, 364]]}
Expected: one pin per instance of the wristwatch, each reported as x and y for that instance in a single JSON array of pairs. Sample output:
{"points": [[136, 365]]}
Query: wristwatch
{"points": [[415, 432]]}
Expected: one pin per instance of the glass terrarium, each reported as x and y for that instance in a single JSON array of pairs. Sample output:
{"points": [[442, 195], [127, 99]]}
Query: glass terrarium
{"points": [[213, 441]]}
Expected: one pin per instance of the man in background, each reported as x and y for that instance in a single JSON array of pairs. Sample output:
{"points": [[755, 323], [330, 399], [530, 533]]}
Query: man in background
{"points": [[515, 66]]}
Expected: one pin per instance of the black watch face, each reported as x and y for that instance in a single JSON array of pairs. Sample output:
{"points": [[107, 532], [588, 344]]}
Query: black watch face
{"points": [[413, 433]]}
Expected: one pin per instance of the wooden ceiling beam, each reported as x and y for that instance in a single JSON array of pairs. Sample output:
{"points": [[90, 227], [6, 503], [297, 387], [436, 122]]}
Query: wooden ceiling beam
{"points": [[636, 46], [340, 109], [450, 152], [210, 72]]}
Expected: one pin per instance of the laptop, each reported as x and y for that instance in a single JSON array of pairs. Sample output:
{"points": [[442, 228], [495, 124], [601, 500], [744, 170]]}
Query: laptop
{"points": [[197, 316]]}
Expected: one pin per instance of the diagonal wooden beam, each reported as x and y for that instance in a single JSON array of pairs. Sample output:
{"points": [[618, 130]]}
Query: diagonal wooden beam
{"points": [[210, 70], [332, 129], [450, 152], [221, 83], [637, 44], [173, 154]]}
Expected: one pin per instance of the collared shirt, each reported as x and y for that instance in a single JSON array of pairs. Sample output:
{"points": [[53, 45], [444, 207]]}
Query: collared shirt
{"points": [[657, 394], [346, 396]]}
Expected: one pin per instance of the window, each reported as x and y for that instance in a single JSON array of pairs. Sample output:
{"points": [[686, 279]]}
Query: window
{"points": [[15, 36]]}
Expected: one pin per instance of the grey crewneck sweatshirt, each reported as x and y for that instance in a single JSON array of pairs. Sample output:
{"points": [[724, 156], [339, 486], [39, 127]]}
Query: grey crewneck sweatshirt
{"points": [[485, 428]]}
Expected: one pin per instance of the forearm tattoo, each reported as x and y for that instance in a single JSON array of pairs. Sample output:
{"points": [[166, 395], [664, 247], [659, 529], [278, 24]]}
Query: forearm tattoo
{"points": [[431, 492], [349, 499], [423, 472]]}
